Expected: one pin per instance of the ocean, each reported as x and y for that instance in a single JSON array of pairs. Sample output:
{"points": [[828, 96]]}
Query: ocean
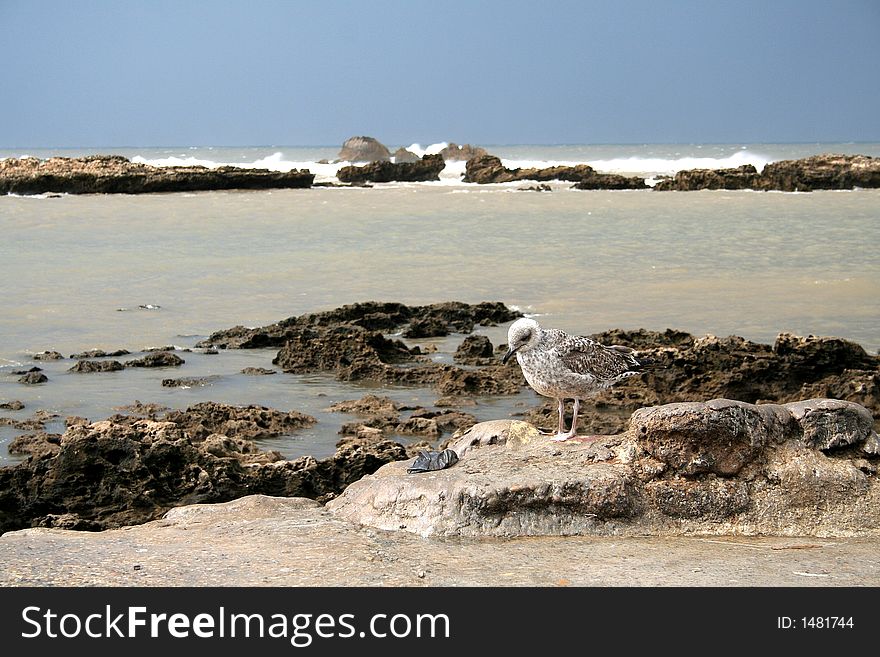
{"points": [[77, 269]]}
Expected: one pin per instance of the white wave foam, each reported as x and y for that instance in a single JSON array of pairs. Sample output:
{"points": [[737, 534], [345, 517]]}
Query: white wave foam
{"points": [[433, 149], [648, 167]]}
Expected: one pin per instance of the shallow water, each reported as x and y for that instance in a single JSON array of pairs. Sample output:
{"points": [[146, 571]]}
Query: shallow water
{"points": [[76, 268]]}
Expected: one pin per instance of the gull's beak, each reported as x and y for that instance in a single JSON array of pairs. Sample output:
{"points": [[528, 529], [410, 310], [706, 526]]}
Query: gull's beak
{"points": [[507, 356]]}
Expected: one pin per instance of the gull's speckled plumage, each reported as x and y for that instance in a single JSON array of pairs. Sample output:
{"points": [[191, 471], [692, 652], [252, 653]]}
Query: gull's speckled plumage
{"points": [[562, 366]]}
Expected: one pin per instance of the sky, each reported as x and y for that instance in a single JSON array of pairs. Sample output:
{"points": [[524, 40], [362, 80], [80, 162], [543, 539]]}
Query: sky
{"points": [[185, 73]]}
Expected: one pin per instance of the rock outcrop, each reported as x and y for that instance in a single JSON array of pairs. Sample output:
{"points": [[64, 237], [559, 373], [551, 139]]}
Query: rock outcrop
{"points": [[825, 171], [382, 171], [402, 155], [114, 174], [444, 318], [719, 467], [486, 169], [455, 153], [744, 177], [349, 342], [128, 470], [363, 149]]}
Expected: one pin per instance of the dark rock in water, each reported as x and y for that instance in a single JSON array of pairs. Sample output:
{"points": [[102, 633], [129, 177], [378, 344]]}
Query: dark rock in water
{"points": [[48, 355], [640, 338], [721, 467], [543, 187], [822, 172], [97, 366], [150, 411], [114, 174], [190, 382], [419, 426], [475, 350], [744, 177], [27, 371], [489, 169], [446, 421], [825, 354], [156, 359], [100, 353], [36, 444], [426, 327], [127, 470], [455, 153], [428, 168], [37, 422], [371, 315], [493, 380], [32, 378], [381, 415], [257, 371], [402, 155], [370, 405], [363, 149], [248, 422], [827, 171], [350, 350], [13, 405], [609, 181]]}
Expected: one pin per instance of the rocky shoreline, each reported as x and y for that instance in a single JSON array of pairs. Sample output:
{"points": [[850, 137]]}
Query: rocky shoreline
{"points": [[133, 467], [113, 174]]}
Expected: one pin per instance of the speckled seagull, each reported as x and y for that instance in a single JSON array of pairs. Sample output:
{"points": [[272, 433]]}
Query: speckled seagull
{"points": [[564, 366]]}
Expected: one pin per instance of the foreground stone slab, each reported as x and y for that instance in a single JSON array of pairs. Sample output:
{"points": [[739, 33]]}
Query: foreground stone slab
{"points": [[271, 541], [713, 468]]}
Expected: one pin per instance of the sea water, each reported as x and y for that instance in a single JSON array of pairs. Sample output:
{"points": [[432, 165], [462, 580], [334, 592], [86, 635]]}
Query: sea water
{"points": [[77, 269]]}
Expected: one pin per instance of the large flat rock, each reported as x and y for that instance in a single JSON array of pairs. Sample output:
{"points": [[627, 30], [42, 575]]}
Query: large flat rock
{"points": [[709, 468], [271, 541]]}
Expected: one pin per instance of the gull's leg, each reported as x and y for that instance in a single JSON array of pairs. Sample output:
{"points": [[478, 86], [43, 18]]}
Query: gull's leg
{"points": [[561, 428], [559, 437]]}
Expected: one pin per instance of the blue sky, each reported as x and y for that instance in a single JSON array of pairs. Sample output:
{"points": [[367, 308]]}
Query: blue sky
{"points": [[181, 73]]}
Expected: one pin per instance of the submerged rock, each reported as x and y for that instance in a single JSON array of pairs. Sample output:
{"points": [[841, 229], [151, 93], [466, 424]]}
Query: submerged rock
{"points": [[250, 422], [114, 174], [720, 467], [100, 353]]}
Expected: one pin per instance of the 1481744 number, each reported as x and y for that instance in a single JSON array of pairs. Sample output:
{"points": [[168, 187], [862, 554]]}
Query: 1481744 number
{"points": [[827, 622]]}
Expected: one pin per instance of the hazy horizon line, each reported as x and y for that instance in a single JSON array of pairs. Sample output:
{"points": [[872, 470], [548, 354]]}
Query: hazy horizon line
{"points": [[484, 145]]}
